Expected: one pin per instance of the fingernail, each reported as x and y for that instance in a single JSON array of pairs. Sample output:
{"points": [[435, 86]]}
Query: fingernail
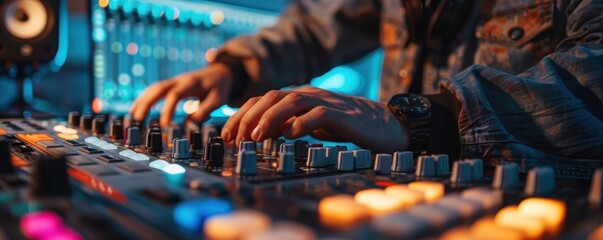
{"points": [[226, 134], [256, 133], [287, 133]]}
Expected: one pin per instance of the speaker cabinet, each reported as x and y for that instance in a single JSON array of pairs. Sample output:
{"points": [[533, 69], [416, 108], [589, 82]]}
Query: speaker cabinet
{"points": [[30, 31]]}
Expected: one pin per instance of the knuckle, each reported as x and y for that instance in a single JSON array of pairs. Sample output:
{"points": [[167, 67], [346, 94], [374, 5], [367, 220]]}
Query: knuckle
{"points": [[321, 111], [296, 98], [273, 93]]}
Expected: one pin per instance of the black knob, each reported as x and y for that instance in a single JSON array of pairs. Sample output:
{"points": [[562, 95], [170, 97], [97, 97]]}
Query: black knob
{"points": [[6, 166], [99, 125], [116, 130], [154, 142], [301, 149], [73, 119], [86, 122], [49, 178], [153, 123], [214, 152], [196, 141]]}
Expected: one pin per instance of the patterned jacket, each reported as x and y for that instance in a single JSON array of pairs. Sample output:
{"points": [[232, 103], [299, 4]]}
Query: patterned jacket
{"points": [[528, 73]]}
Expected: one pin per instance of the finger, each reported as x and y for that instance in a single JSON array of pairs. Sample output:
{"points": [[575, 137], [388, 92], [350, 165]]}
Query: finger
{"points": [[248, 124], [293, 104], [318, 117], [230, 129], [143, 104], [211, 102], [171, 100]]}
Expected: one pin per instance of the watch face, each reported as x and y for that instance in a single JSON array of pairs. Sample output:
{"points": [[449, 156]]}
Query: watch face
{"points": [[411, 104]]}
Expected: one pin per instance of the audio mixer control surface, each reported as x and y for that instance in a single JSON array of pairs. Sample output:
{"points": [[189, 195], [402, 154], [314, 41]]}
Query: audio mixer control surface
{"points": [[99, 177]]}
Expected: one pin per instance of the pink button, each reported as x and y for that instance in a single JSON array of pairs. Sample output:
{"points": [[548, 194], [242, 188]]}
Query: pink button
{"points": [[38, 224]]}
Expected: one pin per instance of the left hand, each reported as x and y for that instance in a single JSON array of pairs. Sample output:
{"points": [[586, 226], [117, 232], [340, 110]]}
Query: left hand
{"points": [[322, 114]]}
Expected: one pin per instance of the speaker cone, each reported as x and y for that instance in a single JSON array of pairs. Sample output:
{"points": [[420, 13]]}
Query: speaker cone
{"points": [[26, 19]]}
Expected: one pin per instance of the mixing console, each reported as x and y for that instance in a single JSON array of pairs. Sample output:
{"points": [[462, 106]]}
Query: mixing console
{"points": [[101, 177]]}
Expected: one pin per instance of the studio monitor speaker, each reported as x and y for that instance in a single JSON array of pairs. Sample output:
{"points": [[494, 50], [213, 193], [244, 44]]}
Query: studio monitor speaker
{"points": [[32, 31]]}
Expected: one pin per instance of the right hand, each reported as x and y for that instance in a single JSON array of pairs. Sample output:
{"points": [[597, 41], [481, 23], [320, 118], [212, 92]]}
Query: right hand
{"points": [[211, 85]]}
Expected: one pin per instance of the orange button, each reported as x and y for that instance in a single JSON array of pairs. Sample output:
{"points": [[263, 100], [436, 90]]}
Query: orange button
{"points": [[550, 211], [341, 211], [432, 190], [486, 228], [377, 201], [510, 217]]}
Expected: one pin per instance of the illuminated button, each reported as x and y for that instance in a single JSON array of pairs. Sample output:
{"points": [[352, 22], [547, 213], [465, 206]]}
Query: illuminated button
{"points": [[595, 195], [383, 163], [192, 215], [174, 174], [362, 159], [510, 217], [442, 164], [139, 157], [486, 228], [540, 180], [461, 172], [91, 140], [158, 164], [597, 234], [38, 225], [425, 167], [506, 176], [438, 217], [467, 208], [408, 196], [551, 211], [456, 233], [284, 230], [477, 168], [345, 161], [106, 146], [377, 201], [487, 198], [432, 190], [401, 226], [341, 211], [127, 153], [236, 225], [402, 162]]}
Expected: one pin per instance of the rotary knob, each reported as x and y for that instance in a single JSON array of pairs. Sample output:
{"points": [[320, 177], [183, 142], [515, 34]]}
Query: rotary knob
{"points": [[86, 122], [402, 162], [132, 137], [425, 167], [180, 149], [49, 178], [73, 119], [99, 125], [196, 141], [506, 176], [116, 130], [154, 142]]}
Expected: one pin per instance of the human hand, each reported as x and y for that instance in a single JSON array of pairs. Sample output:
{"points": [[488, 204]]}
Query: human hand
{"points": [[211, 85], [320, 113]]}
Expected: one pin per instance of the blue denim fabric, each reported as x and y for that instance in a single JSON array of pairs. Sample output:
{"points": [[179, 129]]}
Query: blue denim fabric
{"points": [[528, 73]]}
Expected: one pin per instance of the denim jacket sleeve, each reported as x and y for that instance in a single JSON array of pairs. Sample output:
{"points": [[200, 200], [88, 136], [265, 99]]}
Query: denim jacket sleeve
{"points": [[309, 38], [550, 114]]}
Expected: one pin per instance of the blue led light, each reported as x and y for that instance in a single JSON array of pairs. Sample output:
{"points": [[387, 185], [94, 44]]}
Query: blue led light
{"points": [[197, 18], [99, 35], [170, 13], [223, 111], [158, 164], [191, 215], [113, 4], [142, 9], [156, 11], [128, 6], [340, 79], [184, 16]]}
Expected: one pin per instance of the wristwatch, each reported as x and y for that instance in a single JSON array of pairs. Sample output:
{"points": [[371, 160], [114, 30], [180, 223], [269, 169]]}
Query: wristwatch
{"points": [[415, 112]]}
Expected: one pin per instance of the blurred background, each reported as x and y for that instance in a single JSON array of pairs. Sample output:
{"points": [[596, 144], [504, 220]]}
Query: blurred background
{"points": [[116, 48]]}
